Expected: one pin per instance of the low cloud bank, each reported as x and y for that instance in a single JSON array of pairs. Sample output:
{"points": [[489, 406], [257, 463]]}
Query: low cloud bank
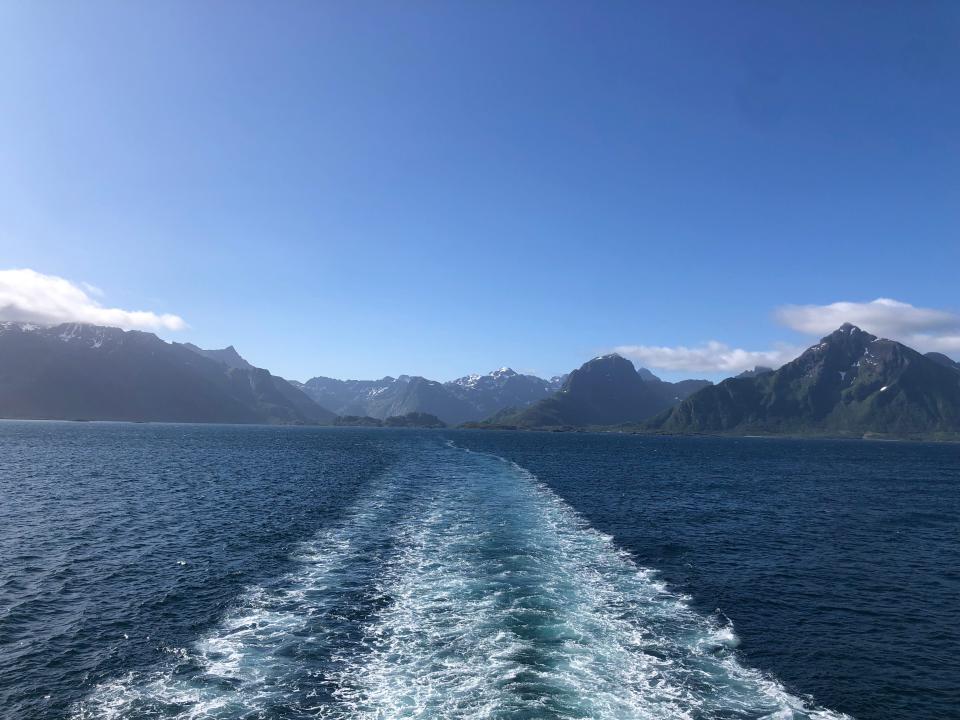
{"points": [[924, 329], [712, 357], [29, 296]]}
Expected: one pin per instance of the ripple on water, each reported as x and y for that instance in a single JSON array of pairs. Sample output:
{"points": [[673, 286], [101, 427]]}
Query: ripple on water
{"points": [[460, 586]]}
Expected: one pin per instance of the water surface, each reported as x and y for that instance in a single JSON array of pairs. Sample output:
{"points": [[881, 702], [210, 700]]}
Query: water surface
{"points": [[234, 572]]}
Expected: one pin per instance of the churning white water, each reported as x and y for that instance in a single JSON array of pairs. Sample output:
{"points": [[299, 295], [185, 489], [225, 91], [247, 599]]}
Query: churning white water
{"points": [[460, 587]]}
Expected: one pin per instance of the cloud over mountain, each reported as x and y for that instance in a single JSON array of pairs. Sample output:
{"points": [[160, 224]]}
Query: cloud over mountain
{"points": [[711, 357], [923, 328], [926, 329], [29, 296]]}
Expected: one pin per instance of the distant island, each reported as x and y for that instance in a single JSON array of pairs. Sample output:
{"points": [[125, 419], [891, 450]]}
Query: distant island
{"points": [[410, 420], [850, 384]]}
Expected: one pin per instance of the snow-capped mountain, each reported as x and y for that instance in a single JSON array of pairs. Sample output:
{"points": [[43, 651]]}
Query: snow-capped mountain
{"points": [[500, 389], [472, 397], [388, 397]]}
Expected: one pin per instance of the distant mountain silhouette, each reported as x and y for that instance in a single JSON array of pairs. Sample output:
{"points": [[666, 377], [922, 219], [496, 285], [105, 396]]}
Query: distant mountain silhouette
{"points": [[410, 420], [607, 390], [76, 371], [500, 389], [414, 420], [357, 421], [850, 383], [472, 397], [389, 397]]}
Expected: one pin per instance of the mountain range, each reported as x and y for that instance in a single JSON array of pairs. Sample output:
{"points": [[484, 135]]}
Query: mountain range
{"points": [[473, 397], [78, 371], [851, 383], [607, 390], [88, 372]]}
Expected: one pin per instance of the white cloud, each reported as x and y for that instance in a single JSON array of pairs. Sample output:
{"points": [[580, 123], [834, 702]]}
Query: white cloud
{"points": [[946, 344], [92, 289], [712, 357], [881, 317], [923, 329], [29, 296]]}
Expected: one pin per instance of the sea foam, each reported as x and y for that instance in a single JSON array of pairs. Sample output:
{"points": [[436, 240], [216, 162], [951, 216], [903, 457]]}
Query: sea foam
{"points": [[460, 587]]}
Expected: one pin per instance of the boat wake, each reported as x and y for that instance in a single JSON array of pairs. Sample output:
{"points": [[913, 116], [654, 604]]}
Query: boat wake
{"points": [[460, 587]]}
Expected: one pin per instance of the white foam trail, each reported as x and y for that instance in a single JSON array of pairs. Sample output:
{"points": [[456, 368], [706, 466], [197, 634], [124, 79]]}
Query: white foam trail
{"points": [[464, 588], [507, 604], [253, 660]]}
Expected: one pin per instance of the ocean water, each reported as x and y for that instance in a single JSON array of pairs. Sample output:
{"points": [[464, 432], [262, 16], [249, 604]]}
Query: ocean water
{"points": [[163, 571]]}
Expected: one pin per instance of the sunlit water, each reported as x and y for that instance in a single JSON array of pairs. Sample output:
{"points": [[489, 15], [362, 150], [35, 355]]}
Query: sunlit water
{"points": [[293, 573]]}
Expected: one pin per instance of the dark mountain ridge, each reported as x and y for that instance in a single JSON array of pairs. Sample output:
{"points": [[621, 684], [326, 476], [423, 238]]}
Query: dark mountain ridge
{"points": [[410, 420], [850, 383], [607, 390], [499, 389], [472, 397], [388, 397], [942, 359], [228, 356], [78, 371]]}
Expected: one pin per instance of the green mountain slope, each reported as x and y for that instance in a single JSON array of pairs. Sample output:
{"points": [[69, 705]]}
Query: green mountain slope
{"points": [[851, 383]]}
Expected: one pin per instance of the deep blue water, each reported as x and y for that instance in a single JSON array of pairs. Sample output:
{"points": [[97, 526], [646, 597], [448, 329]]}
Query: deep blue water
{"points": [[163, 571]]}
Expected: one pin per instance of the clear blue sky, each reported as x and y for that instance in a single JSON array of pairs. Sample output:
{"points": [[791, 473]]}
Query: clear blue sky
{"points": [[357, 189]]}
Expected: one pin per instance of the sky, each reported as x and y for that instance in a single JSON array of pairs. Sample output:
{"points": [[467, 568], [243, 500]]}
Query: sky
{"points": [[356, 189]]}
